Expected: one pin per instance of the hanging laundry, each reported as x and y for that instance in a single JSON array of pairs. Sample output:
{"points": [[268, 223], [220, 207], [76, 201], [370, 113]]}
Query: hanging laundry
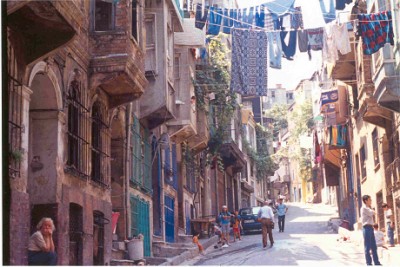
{"points": [[200, 19], [315, 38], [214, 21], [249, 62], [269, 22], [228, 21], [288, 49], [376, 30], [337, 135], [329, 97], [328, 16], [280, 7], [248, 18], [237, 23], [330, 119], [287, 21], [317, 149], [341, 4], [275, 50], [302, 37], [297, 19], [260, 17], [329, 50], [312, 14], [341, 34]]}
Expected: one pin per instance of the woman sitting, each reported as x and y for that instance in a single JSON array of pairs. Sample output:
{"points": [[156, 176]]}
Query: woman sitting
{"points": [[41, 245]]}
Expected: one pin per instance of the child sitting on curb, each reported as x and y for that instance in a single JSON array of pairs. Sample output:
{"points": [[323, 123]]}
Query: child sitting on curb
{"points": [[196, 241]]}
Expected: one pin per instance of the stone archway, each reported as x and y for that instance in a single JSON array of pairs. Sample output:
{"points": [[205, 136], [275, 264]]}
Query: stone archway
{"points": [[44, 138]]}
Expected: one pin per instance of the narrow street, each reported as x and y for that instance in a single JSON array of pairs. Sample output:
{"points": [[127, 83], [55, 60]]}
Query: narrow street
{"points": [[307, 240]]}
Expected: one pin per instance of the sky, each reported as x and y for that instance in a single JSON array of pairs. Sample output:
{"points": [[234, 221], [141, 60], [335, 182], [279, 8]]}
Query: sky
{"points": [[292, 72]]}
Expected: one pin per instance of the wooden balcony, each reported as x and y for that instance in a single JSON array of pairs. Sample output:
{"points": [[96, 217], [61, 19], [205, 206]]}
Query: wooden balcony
{"points": [[373, 113], [42, 26], [232, 155], [200, 140], [185, 124], [117, 66]]}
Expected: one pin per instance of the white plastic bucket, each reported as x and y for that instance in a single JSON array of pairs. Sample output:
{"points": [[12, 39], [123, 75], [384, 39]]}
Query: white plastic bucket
{"points": [[135, 249]]}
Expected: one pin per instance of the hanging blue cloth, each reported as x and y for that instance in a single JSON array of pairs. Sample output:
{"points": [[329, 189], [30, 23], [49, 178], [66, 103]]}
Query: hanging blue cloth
{"points": [[237, 14], [328, 16], [280, 7], [200, 20], [275, 50], [228, 21], [248, 18], [214, 21], [288, 49], [260, 17], [341, 4]]}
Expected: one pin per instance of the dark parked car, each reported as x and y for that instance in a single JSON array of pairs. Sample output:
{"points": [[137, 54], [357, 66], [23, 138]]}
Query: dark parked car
{"points": [[249, 219]]}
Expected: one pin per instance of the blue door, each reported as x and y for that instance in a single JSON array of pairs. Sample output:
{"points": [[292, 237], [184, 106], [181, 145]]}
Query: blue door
{"points": [[169, 219], [187, 218]]}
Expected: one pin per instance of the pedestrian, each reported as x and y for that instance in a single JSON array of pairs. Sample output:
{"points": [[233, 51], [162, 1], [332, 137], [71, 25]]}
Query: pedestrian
{"points": [[379, 237], [41, 246], [281, 211], [266, 217], [225, 219], [196, 241], [389, 221], [367, 219], [236, 226]]}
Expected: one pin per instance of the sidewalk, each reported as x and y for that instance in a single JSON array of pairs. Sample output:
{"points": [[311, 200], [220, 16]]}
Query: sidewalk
{"points": [[387, 257]]}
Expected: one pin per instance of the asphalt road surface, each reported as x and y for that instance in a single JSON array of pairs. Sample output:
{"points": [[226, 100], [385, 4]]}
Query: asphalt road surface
{"points": [[307, 241]]}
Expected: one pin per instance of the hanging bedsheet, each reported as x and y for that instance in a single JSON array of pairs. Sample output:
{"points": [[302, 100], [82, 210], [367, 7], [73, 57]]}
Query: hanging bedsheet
{"points": [[376, 30], [249, 62]]}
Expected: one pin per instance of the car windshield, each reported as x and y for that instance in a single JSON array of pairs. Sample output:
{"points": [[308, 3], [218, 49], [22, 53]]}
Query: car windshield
{"points": [[250, 211]]}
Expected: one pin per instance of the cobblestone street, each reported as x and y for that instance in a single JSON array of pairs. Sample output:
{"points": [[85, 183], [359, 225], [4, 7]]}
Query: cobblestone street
{"points": [[307, 240]]}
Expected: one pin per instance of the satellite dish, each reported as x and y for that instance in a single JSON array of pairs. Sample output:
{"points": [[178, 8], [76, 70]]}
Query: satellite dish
{"points": [[164, 141]]}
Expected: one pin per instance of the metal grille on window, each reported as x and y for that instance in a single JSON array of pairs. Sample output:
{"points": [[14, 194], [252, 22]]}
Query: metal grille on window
{"points": [[14, 115], [147, 179], [99, 139], [98, 237], [78, 125]]}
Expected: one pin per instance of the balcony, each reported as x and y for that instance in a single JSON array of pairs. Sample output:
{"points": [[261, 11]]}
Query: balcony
{"points": [[344, 68], [232, 155], [200, 140], [42, 26], [247, 187], [117, 66], [385, 78], [185, 124]]}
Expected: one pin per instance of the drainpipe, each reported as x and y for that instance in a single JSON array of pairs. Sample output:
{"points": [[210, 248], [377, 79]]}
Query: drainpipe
{"points": [[127, 169]]}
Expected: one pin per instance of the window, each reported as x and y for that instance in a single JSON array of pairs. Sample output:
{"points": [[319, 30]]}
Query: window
{"points": [[151, 52], [273, 94], [357, 165], [14, 114], [104, 11], [190, 170], [98, 144], [251, 168], [177, 74], [375, 146], [362, 163], [135, 19], [78, 125], [141, 157], [170, 52], [289, 96]]}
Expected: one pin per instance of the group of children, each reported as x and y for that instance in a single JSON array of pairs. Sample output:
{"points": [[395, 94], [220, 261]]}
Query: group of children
{"points": [[223, 240]]}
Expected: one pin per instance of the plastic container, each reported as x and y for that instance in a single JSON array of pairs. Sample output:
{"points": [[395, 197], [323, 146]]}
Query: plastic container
{"points": [[135, 249]]}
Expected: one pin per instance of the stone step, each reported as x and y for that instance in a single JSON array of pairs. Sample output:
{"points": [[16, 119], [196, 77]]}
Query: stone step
{"points": [[127, 262], [118, 254], [119, 245], [156, 260]]}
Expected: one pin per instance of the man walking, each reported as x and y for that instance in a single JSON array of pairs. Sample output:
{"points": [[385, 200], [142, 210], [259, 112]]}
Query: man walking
{"points": [[225, 219], [367, 219], [281, 210], [389, 221], [266, 216]]}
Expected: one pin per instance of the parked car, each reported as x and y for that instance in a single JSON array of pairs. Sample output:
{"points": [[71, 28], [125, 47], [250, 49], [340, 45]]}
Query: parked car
{"points": [[249, 219]]}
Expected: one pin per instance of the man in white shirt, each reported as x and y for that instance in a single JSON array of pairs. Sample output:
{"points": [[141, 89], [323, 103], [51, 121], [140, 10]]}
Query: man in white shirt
{"points": [[389, 221], [367, 219], [266, 216]]}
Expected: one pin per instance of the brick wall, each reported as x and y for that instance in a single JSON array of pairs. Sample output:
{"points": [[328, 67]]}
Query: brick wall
{"points": [[19, 228]]}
